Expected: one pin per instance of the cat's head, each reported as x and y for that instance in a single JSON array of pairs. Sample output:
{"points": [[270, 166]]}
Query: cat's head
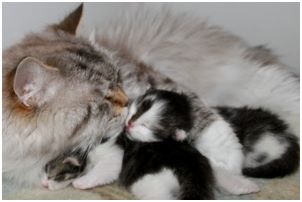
{"points": [[158, 115], [61, 80]]}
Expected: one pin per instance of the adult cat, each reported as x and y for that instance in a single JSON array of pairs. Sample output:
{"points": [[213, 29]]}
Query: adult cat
{"points": [[60, 90]]}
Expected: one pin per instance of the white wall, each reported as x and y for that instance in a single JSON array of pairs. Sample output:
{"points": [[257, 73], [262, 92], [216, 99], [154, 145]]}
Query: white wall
{"points": [[273, 24]]}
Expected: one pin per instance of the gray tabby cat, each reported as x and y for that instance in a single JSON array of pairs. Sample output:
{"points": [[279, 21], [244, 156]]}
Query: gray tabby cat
{"points": [[60, 90]]}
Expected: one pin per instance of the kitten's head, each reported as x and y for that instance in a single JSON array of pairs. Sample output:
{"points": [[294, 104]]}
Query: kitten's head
{"points": [[159, 115], [61, 171], [63, 80]]}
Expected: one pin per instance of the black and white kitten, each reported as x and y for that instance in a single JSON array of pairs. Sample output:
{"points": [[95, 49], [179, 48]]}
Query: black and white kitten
{"points": [[160, 114], [158, 163], [165, 169], [270, 150]]}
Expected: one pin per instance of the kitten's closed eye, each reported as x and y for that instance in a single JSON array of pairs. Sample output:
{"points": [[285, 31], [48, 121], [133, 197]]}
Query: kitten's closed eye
{"points": [[146, 105]]}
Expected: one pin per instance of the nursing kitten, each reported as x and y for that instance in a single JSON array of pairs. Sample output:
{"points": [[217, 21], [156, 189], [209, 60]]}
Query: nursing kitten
{"points": [[155, 164], [270, 149]]}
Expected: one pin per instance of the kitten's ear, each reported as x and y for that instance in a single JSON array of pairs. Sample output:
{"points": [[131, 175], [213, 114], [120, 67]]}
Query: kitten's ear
{"points": [[150, 90], [71, 22], [73, 161], [34, 82]]}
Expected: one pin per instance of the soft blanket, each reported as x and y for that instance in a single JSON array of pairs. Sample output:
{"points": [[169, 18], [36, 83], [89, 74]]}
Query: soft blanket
{"points": [[287, 188]]}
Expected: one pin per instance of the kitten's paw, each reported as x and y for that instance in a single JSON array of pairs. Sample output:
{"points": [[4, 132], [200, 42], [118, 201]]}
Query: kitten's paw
{"points": [[84, 183], [246, 187], [239, 185], [233, 183]]}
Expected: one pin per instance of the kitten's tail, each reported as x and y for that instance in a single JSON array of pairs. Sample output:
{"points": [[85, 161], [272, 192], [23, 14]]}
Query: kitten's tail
{"points": [[270, 150], [281, 166]]}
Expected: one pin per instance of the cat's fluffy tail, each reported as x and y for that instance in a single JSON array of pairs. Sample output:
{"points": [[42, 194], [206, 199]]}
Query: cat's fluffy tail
{"points": [[218, 66]]}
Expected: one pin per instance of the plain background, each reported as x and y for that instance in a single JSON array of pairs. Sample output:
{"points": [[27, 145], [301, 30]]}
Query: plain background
{"points": [[273, 24]]}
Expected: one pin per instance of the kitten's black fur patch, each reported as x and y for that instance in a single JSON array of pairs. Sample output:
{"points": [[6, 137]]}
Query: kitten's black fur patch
{"points": [[250, 125], [177, 113], [191, 168]]}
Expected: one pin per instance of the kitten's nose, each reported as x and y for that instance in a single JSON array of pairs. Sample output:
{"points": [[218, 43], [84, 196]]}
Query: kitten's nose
{"points": [[129, 125], [45, 183]]}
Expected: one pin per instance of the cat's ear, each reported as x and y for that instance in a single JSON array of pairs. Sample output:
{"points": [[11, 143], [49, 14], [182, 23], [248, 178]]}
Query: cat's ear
{"points": [[34, 82], [72, 161], [71, 22]]}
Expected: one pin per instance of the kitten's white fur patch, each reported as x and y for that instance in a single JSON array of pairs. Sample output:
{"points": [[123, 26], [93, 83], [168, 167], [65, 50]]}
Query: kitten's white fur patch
{"points": [[221, 146], [161, 185], [234, 184], [269, 145], [105, 163]]}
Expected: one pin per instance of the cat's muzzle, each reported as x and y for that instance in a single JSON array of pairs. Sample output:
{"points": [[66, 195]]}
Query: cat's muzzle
{"points": [[118, 98]]}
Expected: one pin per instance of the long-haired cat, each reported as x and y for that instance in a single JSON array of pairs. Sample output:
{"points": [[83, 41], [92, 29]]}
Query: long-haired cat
{"points": [[218, 66], [57, 85], [58, 91]]}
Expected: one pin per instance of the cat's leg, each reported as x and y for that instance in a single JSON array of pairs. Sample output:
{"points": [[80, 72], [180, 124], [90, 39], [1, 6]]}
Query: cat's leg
{"points": [[220, 145], [104, 166]]}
